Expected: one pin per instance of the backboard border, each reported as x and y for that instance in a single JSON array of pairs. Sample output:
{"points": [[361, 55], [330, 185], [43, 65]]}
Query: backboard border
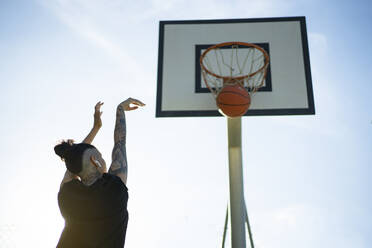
{"points": [[266, 112]]}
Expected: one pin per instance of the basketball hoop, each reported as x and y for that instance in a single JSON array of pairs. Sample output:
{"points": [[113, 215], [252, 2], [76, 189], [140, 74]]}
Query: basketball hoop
{"points": [[231, 63]]}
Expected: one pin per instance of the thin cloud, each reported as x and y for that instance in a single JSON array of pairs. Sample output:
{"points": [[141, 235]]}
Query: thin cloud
{"points": [[85, 18], [111, 25]]}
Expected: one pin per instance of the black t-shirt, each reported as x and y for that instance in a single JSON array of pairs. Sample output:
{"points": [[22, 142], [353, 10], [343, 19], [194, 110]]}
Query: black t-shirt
{"points": [[95, 215]]}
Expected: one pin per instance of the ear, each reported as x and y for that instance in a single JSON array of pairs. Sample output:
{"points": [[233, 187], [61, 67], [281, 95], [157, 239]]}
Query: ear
{"points": [[95, 162]]}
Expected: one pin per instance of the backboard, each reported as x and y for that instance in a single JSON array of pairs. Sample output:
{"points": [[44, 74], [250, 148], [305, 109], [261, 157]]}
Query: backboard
{"points": [[287, 89]]}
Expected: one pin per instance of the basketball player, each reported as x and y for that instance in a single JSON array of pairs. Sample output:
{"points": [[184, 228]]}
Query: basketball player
{"points": [[92, 201]]}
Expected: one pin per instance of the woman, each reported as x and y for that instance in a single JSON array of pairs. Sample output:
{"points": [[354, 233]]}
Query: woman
{"points": [[92, 201]]}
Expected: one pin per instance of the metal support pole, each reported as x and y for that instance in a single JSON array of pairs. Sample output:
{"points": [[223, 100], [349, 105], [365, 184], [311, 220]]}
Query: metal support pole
{"points": [[249, 227], [225, 227], [237, 205]]}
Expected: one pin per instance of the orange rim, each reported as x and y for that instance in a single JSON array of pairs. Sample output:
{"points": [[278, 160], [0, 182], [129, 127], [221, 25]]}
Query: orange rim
{"points": [[230, 44]]}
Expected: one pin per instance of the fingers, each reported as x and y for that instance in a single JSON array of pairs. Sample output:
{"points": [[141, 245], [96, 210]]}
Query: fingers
{"points": [[132, 108], [98, 106], [126, 105], [136, 102]]}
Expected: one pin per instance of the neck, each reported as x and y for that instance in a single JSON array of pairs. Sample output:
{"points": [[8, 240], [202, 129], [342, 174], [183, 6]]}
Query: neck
{"points": [[91, 178]]}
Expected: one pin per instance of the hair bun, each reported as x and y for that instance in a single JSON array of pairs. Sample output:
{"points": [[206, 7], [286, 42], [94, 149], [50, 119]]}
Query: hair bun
{"points": [[63, 150]]}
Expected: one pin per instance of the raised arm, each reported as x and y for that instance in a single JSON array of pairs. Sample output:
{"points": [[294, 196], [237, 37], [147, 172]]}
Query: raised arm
{"points": [[119, 165], [96, 125]]}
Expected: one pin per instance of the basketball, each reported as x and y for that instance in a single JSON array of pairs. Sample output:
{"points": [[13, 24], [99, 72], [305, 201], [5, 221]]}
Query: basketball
{"points": [[233, 100]]}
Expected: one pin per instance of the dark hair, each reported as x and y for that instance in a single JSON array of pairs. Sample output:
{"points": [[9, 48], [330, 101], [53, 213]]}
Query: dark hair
{"points": [[72, 154]]}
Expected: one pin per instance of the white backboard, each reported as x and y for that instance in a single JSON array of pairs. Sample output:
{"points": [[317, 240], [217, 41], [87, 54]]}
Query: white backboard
{"points": [[181, 91]]}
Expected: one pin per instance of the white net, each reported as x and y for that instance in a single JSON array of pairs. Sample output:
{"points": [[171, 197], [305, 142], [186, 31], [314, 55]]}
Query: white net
{"points": [[234, 62]]}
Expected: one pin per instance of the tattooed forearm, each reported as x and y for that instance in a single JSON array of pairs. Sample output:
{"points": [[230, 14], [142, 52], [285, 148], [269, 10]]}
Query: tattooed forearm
{"points": [[119, 155]]}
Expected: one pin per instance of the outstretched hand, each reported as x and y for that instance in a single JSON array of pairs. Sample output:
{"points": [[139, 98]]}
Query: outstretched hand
{"points": [[97, 115], [126, 105]]}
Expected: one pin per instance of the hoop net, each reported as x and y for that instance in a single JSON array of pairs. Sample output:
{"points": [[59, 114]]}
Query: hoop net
{"points": [[234, 62]]}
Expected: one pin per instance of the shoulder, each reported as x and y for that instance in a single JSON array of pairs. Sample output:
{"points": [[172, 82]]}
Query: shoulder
{"points": [[69, 185], [68, 189], [113, 179]]}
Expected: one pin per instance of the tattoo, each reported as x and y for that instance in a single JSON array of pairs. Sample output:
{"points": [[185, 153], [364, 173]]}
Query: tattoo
{"points": [[91, 178], [119, 155]]}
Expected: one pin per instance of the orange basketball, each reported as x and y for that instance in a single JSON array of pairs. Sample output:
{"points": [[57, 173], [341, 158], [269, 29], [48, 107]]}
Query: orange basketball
{"points": [[233, 100]]}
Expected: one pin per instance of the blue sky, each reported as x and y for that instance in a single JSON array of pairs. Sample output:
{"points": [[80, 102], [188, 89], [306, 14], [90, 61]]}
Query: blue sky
{"points": [[306, 177]]}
